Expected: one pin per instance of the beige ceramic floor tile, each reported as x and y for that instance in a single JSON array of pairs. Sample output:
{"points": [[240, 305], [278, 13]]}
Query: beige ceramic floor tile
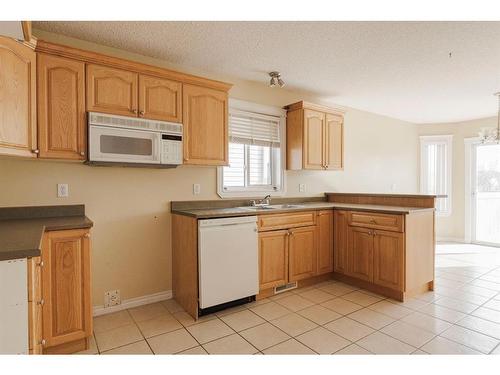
{"points": [[230, 310], [496, 351], [323, 341], [117, 337], [353, 349], [319, 314], [147, 312], [349, 329], [172, 306], [289, 347], [195, 350], [479, 290], [442, 313], [172, 342], [493, 304], [419, 352], [427, 322], [158, 325], [295, 302], [270, 311], [316, 295], [111, 321], [471, 339], [361, 298], [242, 320], [341, 306], [412, 303], [391, 309], [440, 345], [455, 304], [488, 314], [486, 284], [264, 336], [480, 325], [208, 331], [293, 324], [408, 333], [371, 318], [338, 289], [140, 347], [92, 347], [233, 344], [379, 343], [187, 320]]}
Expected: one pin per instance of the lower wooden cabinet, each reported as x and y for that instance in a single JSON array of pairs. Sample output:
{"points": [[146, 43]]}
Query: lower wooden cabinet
{"points": [[388, 259], [273, 258], [302, 253], [325, 242], [360, 253], [60, 306]]}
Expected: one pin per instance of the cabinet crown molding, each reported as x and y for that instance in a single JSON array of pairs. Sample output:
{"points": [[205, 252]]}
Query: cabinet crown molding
{"points": [[316, 107], [116, 62]]}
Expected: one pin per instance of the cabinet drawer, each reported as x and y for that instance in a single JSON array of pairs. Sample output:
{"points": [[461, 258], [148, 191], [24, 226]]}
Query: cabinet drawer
{"points": [[377, 221], [288, 220]]}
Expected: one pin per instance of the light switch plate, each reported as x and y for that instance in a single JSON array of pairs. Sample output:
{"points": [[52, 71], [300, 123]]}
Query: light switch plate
{"points": [[302, 188], [196, 189], [62, 190]]}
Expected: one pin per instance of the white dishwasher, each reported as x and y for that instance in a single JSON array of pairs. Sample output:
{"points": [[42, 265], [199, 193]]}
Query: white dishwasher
{"points": [[228, 261]]}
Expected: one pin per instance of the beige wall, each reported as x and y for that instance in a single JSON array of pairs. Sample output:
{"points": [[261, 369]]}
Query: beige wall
{"points": [[453, 226], [130, 207]]}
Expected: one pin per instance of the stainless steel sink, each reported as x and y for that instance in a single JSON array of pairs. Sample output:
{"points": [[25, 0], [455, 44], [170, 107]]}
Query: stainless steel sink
{"points": [[258, 208], [282, 206]]}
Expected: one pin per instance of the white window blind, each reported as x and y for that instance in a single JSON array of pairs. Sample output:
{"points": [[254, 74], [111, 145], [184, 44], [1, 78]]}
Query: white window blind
{"points": [[435, 165], [254, 129], [254, 152]]}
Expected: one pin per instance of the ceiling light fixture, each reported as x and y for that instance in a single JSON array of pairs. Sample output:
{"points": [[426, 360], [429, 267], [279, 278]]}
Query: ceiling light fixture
{"points": [[492, 135], [276, 79]]}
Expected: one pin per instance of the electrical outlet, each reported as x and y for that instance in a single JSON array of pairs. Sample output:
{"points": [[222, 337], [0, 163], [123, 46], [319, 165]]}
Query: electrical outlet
{"points": [[112, 298], [302, 188], [62, 190], [196, 189], [393, 187]]}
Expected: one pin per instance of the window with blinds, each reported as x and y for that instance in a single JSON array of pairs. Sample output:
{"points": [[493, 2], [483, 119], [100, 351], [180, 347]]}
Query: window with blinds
{"points": [[254, 153], [435, 170]]}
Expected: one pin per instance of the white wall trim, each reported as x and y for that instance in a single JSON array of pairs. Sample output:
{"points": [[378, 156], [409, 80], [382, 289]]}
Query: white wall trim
{"points": [[469, 160], [450, 239], [133, 302]]}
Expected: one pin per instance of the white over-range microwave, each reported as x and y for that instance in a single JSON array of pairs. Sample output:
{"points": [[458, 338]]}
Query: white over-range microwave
{"points": [[133, 141]]}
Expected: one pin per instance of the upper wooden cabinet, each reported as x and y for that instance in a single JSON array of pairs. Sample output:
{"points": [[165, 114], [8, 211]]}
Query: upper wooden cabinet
{"points": [[205, 124], [61, 108], [67, 305], [315, 137], [111, 90], [160, 99], [17, 99]]}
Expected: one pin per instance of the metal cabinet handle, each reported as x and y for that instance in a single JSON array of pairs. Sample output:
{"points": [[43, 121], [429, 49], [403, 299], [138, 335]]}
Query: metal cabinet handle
{"points": [[43, 342], [40, 264], [82, 153], [141, 113], [35, 151], [41, 302], [134, 111], [86, 235], [373, 221]]}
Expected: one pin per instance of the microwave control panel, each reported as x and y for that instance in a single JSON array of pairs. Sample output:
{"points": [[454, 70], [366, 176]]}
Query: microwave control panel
{"points": [[171, 149]]}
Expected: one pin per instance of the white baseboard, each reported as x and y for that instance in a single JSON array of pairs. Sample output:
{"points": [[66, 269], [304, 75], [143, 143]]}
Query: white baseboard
{"points": [[133, 302], [450, 239]]}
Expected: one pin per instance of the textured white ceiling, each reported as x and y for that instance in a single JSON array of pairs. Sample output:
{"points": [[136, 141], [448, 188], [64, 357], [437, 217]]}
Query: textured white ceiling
{"points": [[398, 69]]}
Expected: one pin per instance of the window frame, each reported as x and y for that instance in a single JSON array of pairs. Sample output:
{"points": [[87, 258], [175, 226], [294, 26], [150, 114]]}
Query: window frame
{"points": [[258, 190], [448, 141]]}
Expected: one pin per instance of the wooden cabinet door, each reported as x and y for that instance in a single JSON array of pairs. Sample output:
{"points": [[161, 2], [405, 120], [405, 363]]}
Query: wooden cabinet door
{"points": [[314, 123], [325, 242], [205, 124], [360, 253], [388, 259], [303, 251], [160, 99], [340, 221], [67, 308], [334, 142], [61, 107], [273, 259], [17, 99], [111, 90]]}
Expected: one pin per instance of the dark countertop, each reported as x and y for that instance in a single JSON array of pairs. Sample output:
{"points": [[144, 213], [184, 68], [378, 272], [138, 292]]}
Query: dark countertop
{"points": [[210, 213], [22, 228]]}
